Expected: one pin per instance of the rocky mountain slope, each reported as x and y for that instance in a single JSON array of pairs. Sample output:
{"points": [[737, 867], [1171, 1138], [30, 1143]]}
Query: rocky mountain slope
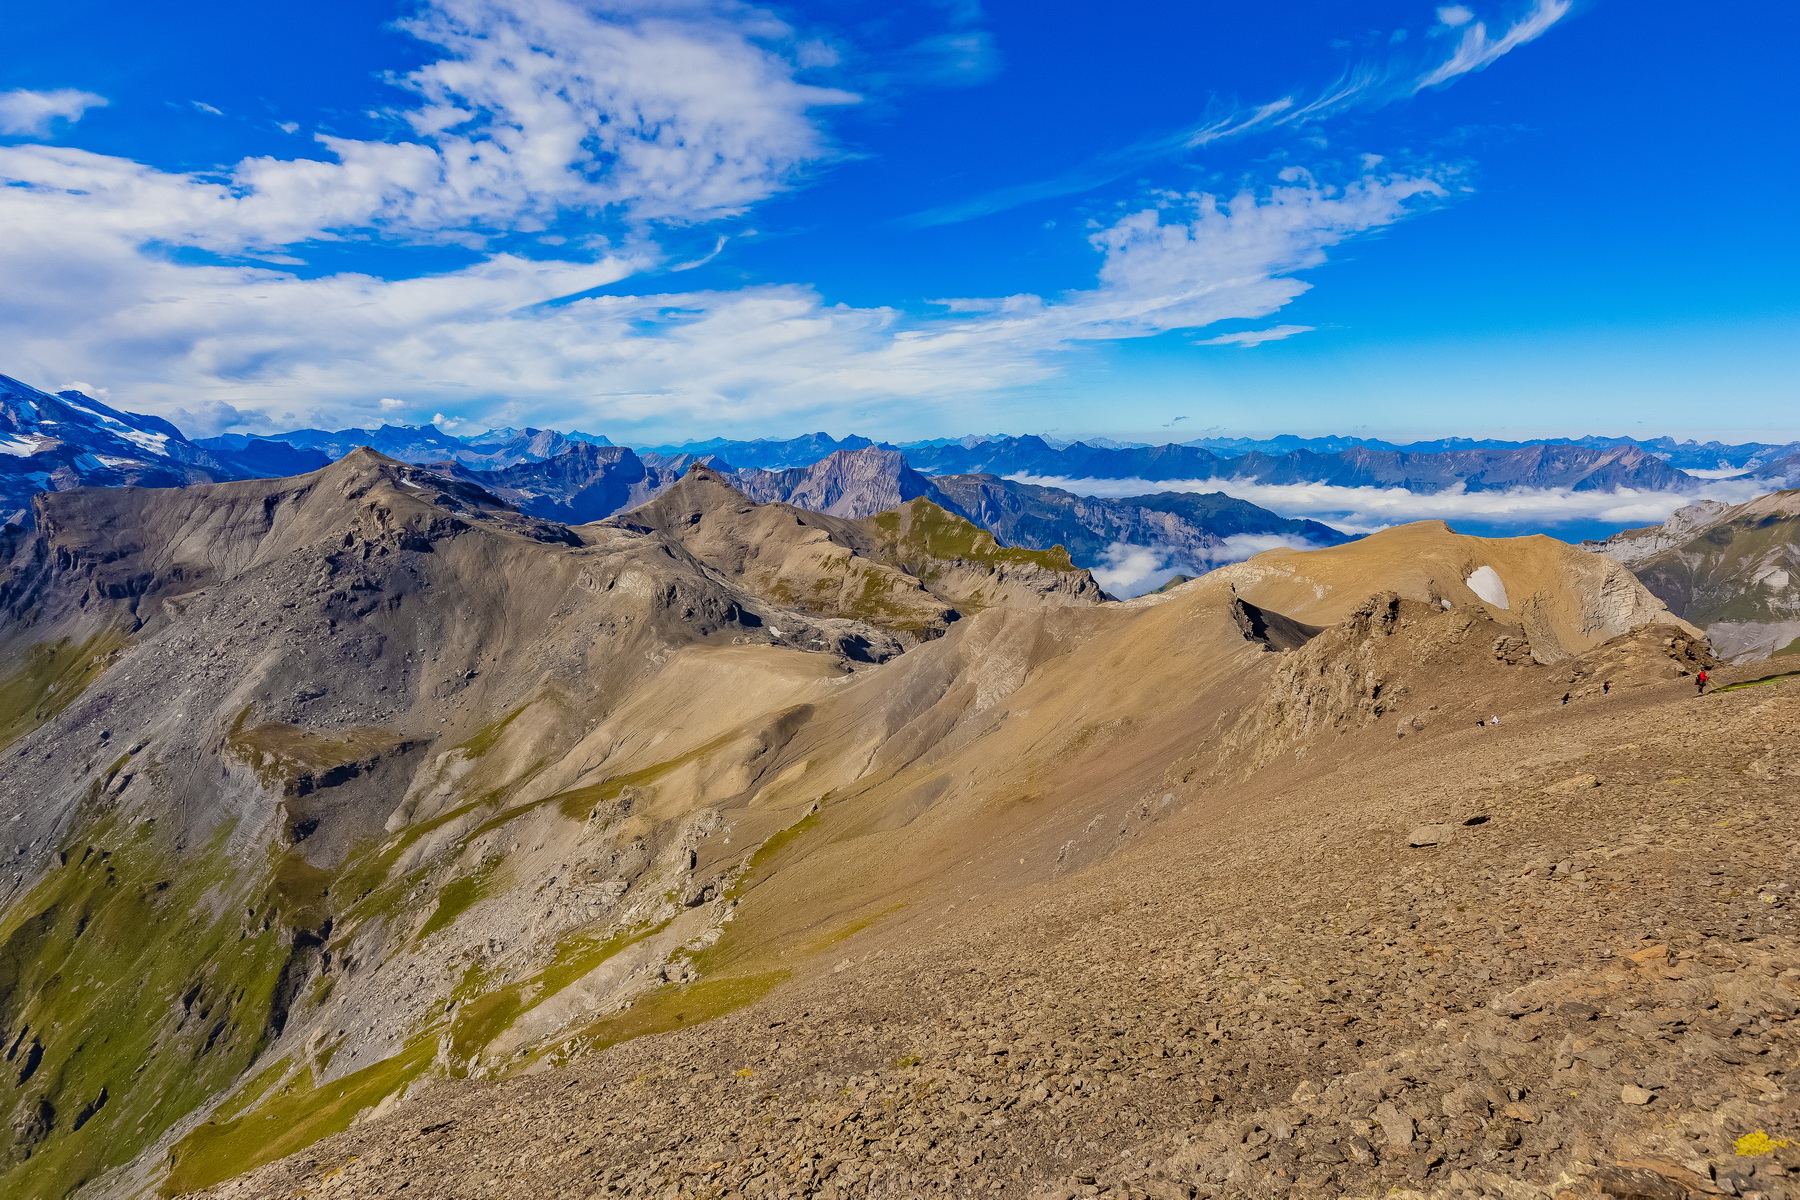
{"points": [[1554, 958], [327, 793], [1732, 569], [366, 771], [1301, 924]]}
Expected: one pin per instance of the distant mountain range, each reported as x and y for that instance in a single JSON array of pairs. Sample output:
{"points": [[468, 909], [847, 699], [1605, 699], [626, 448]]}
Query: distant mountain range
{"points": [[56, 442], [424, 443]]}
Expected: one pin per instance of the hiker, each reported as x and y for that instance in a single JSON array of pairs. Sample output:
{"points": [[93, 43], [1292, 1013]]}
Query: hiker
{"points": [[1565, 699], [1493, 720], [1606, 688], [1700, 682]]}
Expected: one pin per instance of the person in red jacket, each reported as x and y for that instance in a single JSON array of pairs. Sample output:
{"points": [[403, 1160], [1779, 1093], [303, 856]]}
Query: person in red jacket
{"points": [[1700, 682]]}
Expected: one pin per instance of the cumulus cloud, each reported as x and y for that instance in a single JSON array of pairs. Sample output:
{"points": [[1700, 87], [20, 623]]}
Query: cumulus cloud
{"points": [[32, 114], [1255, 337], [653, 116], [507, 326], [675, 113]]}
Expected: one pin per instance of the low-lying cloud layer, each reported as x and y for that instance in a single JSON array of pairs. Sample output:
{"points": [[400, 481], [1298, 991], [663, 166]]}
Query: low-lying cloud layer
{"points": [[1564, 512], [1127, 570]]}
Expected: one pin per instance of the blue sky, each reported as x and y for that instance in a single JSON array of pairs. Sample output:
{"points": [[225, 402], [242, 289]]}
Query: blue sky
{"points": [[687, 218]]}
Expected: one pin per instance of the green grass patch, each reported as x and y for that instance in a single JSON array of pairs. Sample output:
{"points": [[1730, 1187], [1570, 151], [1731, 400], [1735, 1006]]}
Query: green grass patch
{"points": [[1732, 687], [488, 736], [679, 1005], [293, 1118], [253, 1090], [141, 986], [846, 932], [920, 529], [50, 679], [487, 1016], [461, 894]]}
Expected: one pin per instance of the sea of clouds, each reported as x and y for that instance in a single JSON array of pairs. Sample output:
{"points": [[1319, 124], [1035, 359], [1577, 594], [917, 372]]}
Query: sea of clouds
{"points": [[1567, 513], [1128, 570]]}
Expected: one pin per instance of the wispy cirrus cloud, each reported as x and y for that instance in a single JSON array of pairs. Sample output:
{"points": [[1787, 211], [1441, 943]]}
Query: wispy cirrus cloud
{"points": [[1365, 86], [26, 113], [1255, 337]]}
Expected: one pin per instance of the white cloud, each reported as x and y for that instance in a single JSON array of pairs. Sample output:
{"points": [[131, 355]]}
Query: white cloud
{"points": [[682, 112], [1366, 509], [1477, 50], [389, 405], [669, 113], [259, 337], [1455, 14], [1255, 337], [206, 108], [1128, 570], [31, 114]]}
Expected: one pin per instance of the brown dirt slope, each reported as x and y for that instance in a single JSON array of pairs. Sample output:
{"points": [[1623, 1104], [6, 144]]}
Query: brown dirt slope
{"points": [[1585, 986]]}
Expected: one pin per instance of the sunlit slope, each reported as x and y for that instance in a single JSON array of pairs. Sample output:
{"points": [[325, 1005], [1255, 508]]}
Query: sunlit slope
{"points": [[1562, 599]]}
